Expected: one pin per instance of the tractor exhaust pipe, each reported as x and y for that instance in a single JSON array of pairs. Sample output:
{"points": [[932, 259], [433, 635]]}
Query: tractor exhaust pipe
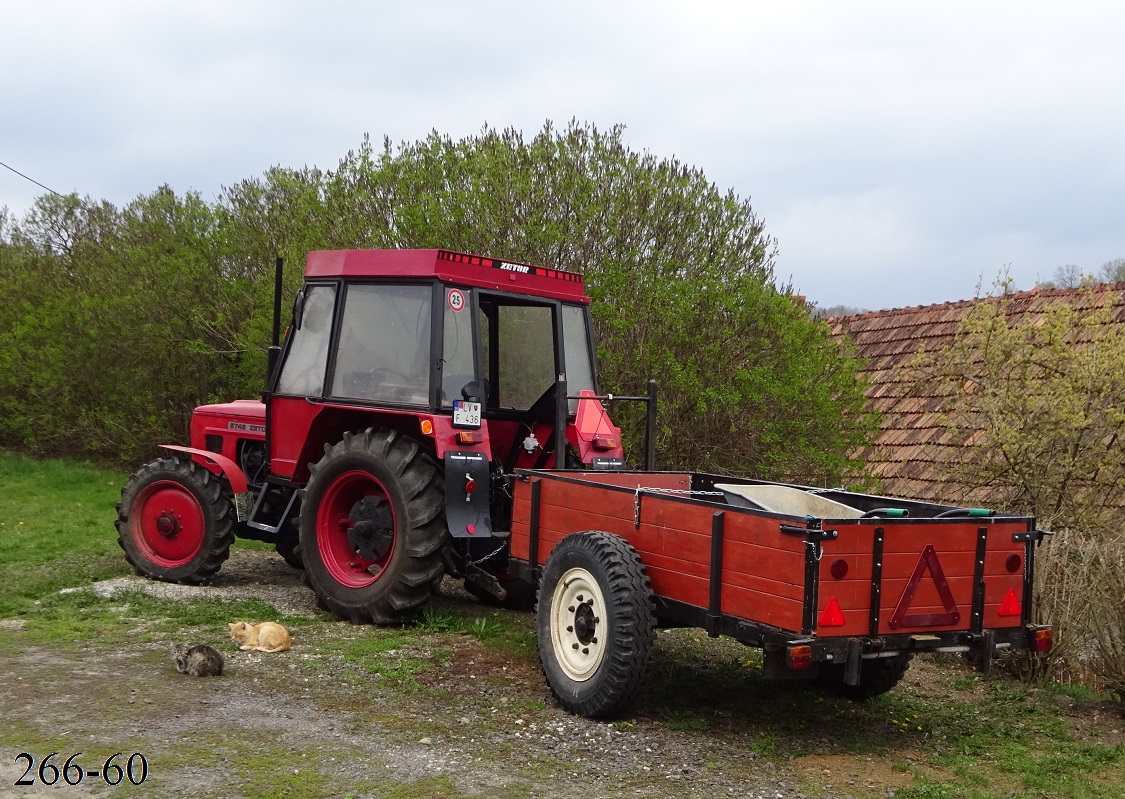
{"points": [[274, 352]]}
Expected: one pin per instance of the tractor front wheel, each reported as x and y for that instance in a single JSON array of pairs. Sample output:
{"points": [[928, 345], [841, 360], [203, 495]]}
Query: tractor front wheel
{"points": [[175, 521], [595, 623], [372, 526]]}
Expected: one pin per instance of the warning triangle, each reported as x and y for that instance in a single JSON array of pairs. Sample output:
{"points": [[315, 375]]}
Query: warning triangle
{"points": [[831, 616], [928, 562], [1011, 604]]}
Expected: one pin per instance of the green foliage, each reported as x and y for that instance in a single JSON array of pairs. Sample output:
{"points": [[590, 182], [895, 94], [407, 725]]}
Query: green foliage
{"points": [[1047, 395], [1041, 400], [136, 315]]}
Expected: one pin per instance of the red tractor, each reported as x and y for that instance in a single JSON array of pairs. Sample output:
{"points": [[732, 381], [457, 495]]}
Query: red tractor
{"points": [[410, 386]]}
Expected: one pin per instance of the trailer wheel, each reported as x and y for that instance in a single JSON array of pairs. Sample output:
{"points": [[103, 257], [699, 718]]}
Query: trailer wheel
{"points": [[876, 676], [372, 527], [175, 521], [595, 622]]}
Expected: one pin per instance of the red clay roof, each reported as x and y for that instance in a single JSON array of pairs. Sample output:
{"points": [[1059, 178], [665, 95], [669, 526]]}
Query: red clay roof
{"points": [[911, 438]]}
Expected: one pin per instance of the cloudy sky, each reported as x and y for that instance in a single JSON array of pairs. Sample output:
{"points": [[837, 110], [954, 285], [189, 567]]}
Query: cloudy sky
{"points": [[900, 152]]}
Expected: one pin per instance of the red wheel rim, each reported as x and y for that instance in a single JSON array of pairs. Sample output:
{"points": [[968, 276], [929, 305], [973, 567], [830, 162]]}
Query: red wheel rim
{"points": [[168, 524], [333, 522]]}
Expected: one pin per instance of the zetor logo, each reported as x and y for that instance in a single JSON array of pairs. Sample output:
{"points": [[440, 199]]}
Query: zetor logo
{"points": [[515, 268], [242, 427]]}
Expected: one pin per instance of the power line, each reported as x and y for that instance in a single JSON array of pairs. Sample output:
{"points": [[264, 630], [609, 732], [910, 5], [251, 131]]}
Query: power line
{"points": [[33, 180]]}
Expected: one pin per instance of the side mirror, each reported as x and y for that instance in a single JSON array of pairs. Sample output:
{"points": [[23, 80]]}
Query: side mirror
{"points": [[298, 309], [473, 392]]}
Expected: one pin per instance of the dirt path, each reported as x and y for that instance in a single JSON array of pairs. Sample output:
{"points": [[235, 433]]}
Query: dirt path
{"points": [[307, 724], [317, 721]]}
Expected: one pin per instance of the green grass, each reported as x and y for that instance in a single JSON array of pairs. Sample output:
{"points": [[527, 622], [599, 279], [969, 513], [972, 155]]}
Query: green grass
{"points": [[56, 529]]}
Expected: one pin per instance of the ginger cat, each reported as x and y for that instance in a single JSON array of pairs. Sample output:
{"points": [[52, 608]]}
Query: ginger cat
{"points": [[265, 637]]}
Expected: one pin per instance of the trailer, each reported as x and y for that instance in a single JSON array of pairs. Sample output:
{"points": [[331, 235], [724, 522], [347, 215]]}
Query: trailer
{"points": [[840, 587]]}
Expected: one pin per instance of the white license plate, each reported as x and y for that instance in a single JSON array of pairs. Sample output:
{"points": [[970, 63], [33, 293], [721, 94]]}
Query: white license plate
{"points": [[466, 414]]}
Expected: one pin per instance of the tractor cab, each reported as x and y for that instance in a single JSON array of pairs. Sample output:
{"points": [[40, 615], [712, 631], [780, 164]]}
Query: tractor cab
{"points": [[460, 352]]}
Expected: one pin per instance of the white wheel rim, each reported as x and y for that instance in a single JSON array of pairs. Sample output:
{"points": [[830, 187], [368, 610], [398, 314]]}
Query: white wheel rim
{"points": [[578, 617]]}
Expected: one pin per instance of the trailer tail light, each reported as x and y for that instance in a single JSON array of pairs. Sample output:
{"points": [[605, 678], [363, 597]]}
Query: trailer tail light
{"points": [[605, 442], [1011, 604], [1042, 640], [469, 437], [799, 657]]}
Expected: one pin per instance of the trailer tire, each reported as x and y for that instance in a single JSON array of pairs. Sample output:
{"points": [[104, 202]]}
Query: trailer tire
{"points": [[595, 621], [175, 521], [372, 527], [876, 676]]}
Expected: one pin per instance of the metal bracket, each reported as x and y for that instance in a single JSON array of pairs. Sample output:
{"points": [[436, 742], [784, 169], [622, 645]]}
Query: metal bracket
{"points": [[1032, 535]]}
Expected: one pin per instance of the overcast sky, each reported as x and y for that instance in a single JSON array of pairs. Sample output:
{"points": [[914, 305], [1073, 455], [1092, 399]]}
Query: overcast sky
{"points": [[900, 152]]}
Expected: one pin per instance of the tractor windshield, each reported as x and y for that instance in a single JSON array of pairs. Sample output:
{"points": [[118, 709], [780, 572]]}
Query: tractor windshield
{"points": [[384, 349]]}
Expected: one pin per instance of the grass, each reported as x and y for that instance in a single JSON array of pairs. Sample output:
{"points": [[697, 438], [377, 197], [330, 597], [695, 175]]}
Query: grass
{"points": [[951, 733]]}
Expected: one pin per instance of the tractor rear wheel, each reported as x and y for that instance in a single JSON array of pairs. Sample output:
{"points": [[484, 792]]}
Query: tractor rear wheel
{"points": [[876, 676], [595, 623], [372, 527], [175, 521]]}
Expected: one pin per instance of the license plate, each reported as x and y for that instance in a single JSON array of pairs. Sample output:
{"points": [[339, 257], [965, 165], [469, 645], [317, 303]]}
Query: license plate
{"points": [[466, 414]]}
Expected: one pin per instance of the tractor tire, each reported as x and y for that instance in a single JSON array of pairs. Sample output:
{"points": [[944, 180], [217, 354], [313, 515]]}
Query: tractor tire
{"points": [[876, 676], [288, 549], [595, 622], [372, 527], [175, 521]]}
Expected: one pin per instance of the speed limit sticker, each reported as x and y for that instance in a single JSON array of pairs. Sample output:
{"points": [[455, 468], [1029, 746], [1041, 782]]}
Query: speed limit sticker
{"points": [[456, 299]]}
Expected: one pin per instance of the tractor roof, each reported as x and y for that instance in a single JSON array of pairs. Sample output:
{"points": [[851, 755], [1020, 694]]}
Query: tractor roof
{"points": [[452, 267]]}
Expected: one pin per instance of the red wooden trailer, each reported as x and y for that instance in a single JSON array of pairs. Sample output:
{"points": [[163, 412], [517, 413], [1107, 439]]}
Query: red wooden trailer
{"points": [[833, 585]]}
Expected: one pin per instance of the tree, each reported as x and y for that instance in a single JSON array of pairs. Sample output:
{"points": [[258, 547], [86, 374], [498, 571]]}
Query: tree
{"points": [[1068, 276], [143, 312], [680, 273], [1112, 271]]}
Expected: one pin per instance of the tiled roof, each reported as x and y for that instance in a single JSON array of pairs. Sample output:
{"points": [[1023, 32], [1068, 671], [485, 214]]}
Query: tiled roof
{"points": [[911, 438]]}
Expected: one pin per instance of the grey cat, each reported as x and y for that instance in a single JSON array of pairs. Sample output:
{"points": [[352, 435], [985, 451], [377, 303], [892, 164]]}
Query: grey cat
{"points": [[198, 661]]}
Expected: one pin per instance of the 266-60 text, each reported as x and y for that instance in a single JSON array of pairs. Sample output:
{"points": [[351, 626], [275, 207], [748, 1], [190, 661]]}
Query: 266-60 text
{"points": [[70, 772]]}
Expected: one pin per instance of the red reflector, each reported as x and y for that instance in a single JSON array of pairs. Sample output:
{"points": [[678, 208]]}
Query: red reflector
{"points": [[839, 568], [470, 486], [799, 657], [1013, 563], [831, 616], [1042, 640], [1011, 604]]}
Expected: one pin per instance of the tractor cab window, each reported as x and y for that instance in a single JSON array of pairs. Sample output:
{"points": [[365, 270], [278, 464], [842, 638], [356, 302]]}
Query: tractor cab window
{"points": [[519, 352], [384, 349], [457, 360], [577, 350], [307, 359]]}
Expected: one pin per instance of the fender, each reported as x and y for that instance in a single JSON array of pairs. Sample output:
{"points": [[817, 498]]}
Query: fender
{"points": [[229, 469]]}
